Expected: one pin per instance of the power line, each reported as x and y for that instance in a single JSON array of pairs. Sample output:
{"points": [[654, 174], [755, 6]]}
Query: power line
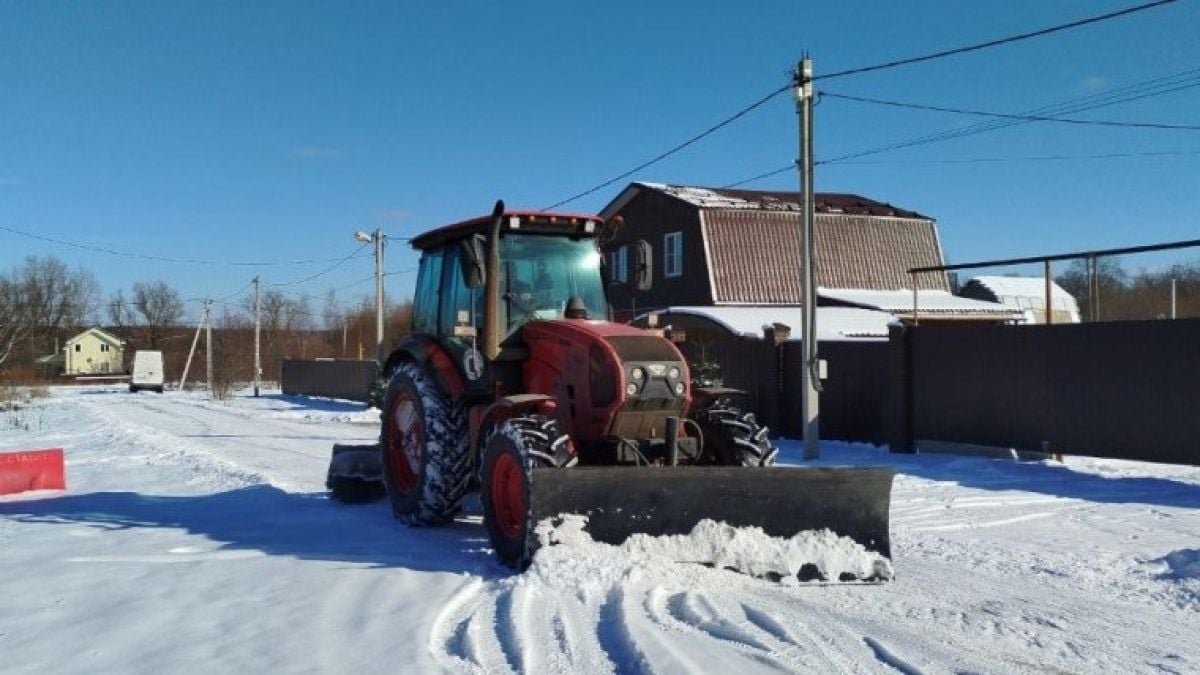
{"points": [[1134, 92], [1032, 158], [327, 270], [1026, 118], [1156, 86], [158, 258], [855, 71], [997, 42], [769, 174], [661, 156]]}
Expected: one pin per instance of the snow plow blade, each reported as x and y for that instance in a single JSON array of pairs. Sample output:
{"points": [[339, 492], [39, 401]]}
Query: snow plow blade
{"points": [[784, 501]]}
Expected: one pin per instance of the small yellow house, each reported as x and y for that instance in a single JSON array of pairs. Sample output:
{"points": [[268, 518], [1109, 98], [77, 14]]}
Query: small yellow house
{"points": [[94, 352]]}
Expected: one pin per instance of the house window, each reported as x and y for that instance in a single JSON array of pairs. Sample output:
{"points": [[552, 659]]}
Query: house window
{"points": [[673, 254], [103, 347], [618, 264], [78, 348]]}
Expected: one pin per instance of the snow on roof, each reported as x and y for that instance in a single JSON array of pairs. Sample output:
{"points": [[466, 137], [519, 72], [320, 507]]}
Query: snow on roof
{"points": [[703, 197], [901, 300], [833, 323], [1027, 287]]}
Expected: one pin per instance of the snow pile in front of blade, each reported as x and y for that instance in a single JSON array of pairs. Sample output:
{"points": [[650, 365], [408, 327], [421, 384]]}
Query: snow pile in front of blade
{"points": [[820, 555]]}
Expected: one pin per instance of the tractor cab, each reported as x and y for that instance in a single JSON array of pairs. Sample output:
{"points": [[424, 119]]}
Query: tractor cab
{"points": [[482, 280]]}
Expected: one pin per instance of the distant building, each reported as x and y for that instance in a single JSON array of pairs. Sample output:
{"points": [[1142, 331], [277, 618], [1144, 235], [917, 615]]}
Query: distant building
{"points": [[93, 352], [1027, 294], [714, 246]]}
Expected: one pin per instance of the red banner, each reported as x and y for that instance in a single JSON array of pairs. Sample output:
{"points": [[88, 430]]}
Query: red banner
{"points": [[32, 470]]}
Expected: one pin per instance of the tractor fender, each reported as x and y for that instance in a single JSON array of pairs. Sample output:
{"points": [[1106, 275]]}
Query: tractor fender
{"points": [[426, 352], [502, 409]]}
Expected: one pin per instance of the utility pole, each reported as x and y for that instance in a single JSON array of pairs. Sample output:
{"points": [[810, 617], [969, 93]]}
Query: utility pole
{"points": [[191, 352], [257, 330], [1172, 298], [810, 381], [377, 238], [208, 343]]}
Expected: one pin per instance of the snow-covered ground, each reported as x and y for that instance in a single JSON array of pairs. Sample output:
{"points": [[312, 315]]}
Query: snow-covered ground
{"points": [[196, 537]]}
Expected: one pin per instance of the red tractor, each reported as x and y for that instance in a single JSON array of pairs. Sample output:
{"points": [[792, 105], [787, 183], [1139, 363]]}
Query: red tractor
{"points": [[514, 379]]}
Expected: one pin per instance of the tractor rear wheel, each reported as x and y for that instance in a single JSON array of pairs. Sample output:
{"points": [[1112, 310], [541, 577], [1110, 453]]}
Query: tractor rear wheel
{"points": [[733, 437], [424, 447], [513, 449]]}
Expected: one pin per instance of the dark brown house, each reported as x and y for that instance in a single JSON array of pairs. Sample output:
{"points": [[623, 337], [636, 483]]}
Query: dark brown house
{"points": [[712, 246]]}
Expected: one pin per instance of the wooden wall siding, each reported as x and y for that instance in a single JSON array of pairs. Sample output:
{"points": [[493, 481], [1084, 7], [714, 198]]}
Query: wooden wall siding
{"points": [[1122, 389], [756, 254], [650, 215]]}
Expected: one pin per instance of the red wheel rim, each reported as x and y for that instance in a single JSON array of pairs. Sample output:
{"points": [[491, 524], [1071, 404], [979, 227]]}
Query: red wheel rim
{"points": [[406, 442], [508, 495]]}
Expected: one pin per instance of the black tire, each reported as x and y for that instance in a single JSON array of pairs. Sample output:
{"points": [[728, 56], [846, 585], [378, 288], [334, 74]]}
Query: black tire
{"points": [[423, 446], [733, 437], [513, 449]]}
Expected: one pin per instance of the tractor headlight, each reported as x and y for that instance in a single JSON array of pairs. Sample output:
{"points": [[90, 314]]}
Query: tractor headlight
{"points": [[679, 387], [673, 373], [637, 375], [631, 389]]}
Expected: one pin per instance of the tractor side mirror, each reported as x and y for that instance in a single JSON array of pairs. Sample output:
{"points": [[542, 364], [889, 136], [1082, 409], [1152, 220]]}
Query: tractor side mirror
{"points": [[473, 266], [644, 265]]}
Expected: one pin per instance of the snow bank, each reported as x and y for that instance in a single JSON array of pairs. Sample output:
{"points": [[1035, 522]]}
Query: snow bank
{"points": [[807, 556]]}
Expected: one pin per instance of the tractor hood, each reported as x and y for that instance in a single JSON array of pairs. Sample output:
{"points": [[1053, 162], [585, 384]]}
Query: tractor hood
{"points": [[608, 378]]}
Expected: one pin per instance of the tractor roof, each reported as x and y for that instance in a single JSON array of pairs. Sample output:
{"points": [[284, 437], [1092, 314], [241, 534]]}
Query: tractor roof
{"points": [[540, 222]]}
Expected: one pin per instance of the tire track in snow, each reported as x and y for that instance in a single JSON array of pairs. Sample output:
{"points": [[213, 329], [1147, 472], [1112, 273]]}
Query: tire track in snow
{"points": [[889, 658], [509, 626], [449, 642]]}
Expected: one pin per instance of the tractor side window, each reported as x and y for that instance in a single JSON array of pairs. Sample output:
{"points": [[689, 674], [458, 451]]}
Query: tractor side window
{"points": [[456, 296], [425, 303]]}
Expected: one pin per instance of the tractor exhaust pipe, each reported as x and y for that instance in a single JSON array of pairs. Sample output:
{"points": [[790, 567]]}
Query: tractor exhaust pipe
{"points": [[491, 288]]}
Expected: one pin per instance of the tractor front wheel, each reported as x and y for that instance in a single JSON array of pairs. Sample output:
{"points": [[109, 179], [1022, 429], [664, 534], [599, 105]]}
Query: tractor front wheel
{"points": [[513, 449], [733, 437]]}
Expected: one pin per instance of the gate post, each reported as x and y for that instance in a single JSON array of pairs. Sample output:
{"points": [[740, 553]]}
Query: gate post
{"points": [[900, 389]]}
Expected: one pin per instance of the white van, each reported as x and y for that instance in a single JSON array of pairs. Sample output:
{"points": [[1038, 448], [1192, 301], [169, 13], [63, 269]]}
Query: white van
{"points": [[147, 371]]}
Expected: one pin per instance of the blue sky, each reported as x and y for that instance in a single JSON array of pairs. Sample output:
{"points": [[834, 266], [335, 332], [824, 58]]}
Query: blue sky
{"points": [[267, 131]]}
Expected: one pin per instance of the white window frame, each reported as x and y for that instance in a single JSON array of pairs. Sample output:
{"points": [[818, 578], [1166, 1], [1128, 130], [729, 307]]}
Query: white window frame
{"points": [[673, 253]]}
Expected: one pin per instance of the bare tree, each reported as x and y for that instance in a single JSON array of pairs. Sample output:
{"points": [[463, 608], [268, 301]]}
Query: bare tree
{"points": [[119, 312], [15, 317], [58, 297], [331, 313], [160, 306]]}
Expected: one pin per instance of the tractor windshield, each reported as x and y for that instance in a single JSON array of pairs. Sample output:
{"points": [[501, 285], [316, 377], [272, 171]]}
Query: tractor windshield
{"points": [[541, 273]]}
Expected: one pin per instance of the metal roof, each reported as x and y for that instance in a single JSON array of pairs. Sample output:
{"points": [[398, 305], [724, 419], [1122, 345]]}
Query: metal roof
{"points": [[763, 200], [755, 255]]}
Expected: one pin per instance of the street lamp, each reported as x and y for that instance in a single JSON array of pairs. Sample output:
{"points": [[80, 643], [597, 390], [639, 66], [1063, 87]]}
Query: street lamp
{"points": [[376, 238]]}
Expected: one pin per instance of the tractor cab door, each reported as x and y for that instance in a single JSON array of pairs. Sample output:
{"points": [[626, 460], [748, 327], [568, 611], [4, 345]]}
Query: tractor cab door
{"points": [[460, 318]]}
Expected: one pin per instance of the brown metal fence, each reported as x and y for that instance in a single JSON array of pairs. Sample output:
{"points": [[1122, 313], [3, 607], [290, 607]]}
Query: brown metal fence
{"points": [[854, 397], [1128, 389], [331, 378], [853, 401]]}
